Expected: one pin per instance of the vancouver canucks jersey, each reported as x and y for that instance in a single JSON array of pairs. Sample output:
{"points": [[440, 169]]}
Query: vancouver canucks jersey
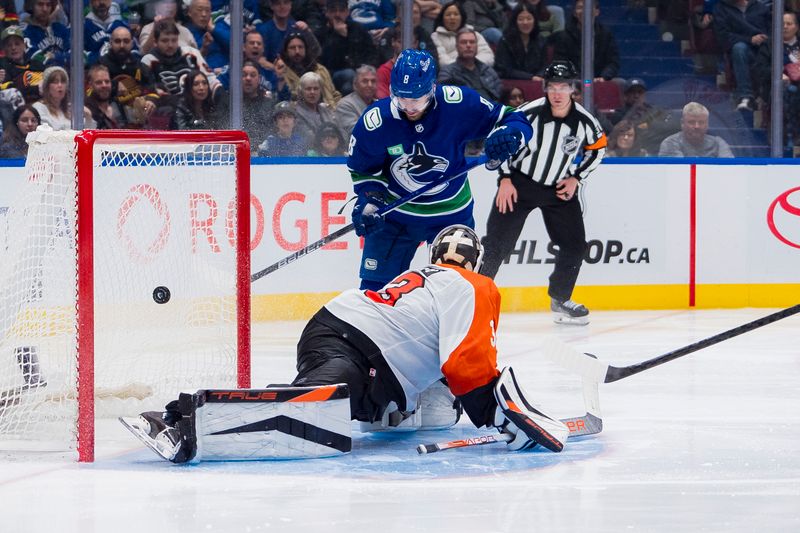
{"points": [[53, 40], [393, 155]]}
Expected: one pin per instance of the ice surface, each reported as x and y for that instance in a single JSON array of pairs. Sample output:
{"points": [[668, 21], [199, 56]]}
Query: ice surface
{"points": [[709, 442]]}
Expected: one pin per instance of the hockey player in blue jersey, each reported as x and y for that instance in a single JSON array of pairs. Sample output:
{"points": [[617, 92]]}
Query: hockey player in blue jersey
{"points": [[408, 140]]}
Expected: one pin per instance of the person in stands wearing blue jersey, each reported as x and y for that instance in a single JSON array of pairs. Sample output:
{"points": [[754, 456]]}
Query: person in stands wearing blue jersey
{"points": [[47, 41], [403, 142], [98, 26]]}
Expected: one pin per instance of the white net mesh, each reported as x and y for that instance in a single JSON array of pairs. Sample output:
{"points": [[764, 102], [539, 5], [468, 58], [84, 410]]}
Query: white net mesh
{"points": [[164, 217]]}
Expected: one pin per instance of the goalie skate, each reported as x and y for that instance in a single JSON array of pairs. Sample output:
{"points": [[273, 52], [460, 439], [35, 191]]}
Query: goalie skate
{"points": [[151, 429]]}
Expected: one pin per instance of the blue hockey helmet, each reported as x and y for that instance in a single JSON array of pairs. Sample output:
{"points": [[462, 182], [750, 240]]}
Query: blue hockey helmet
{"points": [[413, 74]]}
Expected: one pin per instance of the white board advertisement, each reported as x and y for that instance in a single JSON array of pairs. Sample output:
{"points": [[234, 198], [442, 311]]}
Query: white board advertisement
{"points": [[638, 220], [749, 226]]}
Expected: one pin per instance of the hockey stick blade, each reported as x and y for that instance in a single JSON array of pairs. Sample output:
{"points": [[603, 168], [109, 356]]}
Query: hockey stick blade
{"points": [[314, 246], [584, 364], [589, 365], [579, 426]]}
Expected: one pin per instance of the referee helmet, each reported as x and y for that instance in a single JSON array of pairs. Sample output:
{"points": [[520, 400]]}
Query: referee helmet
{"points": [[560, 71]]}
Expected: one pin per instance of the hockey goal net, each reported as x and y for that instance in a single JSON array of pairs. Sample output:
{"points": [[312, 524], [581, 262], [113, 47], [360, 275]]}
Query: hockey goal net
{"points": [[124, 280]]}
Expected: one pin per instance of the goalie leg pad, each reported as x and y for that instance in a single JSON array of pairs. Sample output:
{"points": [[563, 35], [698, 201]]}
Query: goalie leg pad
{"points": [[439, 407], [273, 423], [249, 424], [527, 423]]}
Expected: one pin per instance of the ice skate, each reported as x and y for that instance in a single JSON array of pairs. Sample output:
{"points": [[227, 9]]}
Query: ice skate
{"points": [[569, 312], [151, 429]]}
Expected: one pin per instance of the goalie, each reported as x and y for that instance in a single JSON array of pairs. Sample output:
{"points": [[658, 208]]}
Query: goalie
{"points": [[409, 356]]}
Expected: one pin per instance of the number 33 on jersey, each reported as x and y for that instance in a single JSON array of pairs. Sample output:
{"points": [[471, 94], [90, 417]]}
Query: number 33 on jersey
{"points": [[452, 315]]}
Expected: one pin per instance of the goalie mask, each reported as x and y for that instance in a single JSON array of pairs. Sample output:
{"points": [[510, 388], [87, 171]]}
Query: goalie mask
{"points": [[459, 245]]}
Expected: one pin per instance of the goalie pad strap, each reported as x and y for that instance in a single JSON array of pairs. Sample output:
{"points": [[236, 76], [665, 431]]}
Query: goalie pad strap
{"points": [[296, 428]]}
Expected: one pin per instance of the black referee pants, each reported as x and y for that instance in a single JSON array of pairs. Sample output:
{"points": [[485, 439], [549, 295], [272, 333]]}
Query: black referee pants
{"points": [[563, 221]]}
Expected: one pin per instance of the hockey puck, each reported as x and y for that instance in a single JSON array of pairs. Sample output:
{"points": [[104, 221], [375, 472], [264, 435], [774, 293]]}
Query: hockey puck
{"points": [[161, 294]]}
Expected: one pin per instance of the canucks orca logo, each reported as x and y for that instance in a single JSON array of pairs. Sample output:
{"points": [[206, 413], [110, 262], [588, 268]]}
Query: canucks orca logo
{"points": [[407, 168]]}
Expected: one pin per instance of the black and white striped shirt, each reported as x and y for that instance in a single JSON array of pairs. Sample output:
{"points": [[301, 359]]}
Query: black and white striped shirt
{"points": [[556, 143]]}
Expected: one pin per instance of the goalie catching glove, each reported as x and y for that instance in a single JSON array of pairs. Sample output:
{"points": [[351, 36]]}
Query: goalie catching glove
{"points": [[503, 143], [526, 423], [366, 219]]}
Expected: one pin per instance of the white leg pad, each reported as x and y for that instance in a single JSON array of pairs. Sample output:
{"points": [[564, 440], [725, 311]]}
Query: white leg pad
{"points": [[274, 423], [436, 404]]}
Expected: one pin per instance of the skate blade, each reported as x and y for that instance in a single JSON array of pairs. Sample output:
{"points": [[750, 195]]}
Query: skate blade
{"points": [[134, 425], [569, 320]]}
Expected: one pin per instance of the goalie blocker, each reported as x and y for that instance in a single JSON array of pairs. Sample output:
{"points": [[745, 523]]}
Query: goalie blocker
{"points": [[527, 424], [272, 423]]}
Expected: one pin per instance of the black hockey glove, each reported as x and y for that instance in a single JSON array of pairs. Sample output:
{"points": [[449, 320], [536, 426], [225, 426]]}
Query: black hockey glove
{"points": [[365, 217], [502, 143]]}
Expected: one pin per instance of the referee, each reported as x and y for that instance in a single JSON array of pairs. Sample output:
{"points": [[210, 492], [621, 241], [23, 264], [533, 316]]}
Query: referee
{"points": [[544, 175]]}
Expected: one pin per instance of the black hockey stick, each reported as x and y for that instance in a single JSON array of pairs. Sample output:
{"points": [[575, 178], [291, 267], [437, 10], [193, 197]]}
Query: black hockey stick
{"points": [[594, 369], [314, 246]]}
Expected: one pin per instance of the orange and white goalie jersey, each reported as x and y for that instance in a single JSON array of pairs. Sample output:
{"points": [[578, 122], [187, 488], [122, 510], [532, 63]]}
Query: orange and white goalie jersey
{"points": [[439, 320]]}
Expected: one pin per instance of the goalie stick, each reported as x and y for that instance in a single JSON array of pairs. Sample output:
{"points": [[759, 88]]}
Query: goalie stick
{"points": [[579, 426], [591, 368], [314, 246], [589, 424]]}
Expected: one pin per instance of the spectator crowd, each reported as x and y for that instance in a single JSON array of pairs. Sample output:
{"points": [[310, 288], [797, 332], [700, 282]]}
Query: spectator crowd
{"points": [[311, 67]]}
